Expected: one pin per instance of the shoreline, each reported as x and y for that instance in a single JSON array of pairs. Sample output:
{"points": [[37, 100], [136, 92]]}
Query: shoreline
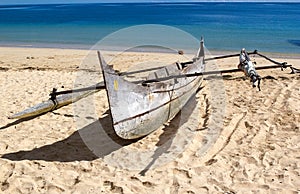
{"points": [[279, 55]]}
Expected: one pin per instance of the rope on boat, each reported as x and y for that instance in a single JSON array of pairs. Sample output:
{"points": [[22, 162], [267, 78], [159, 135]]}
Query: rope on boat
{"points": [[53, 98]]}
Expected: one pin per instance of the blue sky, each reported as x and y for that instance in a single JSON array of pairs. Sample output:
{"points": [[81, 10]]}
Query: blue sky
{"points": [[7, 2]]}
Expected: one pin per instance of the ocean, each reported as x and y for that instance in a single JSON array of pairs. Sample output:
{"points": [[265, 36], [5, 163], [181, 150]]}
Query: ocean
{"points": [[268, 27]]}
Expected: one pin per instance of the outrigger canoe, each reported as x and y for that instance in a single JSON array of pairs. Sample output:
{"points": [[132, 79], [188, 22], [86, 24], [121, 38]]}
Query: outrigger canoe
{"points": [[138, 109], [141, 107]]}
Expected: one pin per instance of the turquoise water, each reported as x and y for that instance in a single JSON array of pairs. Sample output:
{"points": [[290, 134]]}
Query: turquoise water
{"points": [[268, 27]]}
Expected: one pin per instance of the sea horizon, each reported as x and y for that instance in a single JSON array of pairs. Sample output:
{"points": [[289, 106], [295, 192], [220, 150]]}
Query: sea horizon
{"points": [[267, 27]]}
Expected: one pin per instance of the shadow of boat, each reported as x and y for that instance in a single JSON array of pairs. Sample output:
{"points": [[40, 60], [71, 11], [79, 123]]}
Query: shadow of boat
{"points": [[98, 140], [74, 147]]}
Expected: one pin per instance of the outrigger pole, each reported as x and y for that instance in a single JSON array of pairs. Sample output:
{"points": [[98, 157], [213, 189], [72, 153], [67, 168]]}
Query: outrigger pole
{"points": [[208, 73], [228, 56], [98, 86], [294, 70], [101, 85], [255, 52], [63, 98]]}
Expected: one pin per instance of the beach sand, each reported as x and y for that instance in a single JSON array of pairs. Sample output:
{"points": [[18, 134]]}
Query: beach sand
{"points": [[229, 138]]}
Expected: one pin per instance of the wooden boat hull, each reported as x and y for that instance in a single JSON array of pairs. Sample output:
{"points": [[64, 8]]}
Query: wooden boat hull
{"points": [[138, 110]]}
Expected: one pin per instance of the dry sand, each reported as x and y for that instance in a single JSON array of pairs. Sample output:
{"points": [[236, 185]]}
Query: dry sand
{"points": [[230, 138]]}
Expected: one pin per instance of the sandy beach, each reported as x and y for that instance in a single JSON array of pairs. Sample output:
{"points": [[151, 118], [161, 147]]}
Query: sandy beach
{"points": [[230, 138]]}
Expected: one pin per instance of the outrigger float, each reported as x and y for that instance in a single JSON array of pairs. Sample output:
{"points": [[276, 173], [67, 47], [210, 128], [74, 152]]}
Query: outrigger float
{"points": [[140, 107]]}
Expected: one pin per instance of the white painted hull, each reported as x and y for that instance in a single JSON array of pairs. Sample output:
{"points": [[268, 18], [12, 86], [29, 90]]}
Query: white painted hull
{"points": [[139, 110]]}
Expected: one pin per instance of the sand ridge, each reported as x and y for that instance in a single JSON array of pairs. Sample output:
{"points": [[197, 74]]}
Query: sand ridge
{"points": [[255, 151]]}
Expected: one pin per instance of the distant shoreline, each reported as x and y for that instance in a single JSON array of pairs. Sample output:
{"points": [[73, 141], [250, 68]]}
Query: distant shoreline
{"points": [[153, 49], [149, 50]]}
